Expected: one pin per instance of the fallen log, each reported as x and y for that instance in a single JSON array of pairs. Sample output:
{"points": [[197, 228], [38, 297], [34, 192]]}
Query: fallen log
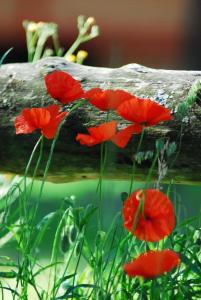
{"points": [[22, 85]]}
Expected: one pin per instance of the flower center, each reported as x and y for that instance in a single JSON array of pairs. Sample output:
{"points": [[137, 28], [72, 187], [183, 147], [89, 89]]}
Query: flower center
{"points": [[144, 124]]}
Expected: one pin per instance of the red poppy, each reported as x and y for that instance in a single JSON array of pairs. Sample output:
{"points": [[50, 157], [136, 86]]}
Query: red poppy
{"points": [[157, 219], [122, 137], [97, 134], [107, 99], [143, 111], [46, 119], [63, 87], [152, 264], [107, 132]]}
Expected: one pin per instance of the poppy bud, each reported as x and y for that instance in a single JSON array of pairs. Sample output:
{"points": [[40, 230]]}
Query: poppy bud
{"points": [[78, 248], [73, 233], [65, 243], [177, 247], [99, 238], [68, 201]]}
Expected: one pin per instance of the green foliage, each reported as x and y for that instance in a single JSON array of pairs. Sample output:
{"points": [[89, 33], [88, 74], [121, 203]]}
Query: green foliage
{"points": [[37, 35], [5, 55], [102, 276], [143, 155], [78, 268], [87, 30], [193, 96]]}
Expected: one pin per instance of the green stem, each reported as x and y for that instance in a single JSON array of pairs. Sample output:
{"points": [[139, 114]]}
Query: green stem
{"points": [[37, 165], [74, 46], [103, 160], [25, 182], [56, 43], [151, 169], [179, 147], [31, 40], [26, 232], [31, 157], [31, 213], [113, 262], [51, 154], [40, 46], [134, 162], [141, 206], [44, 180], [139, 210], [78, 261], [55, 289], [55, 247], [5, 55]]}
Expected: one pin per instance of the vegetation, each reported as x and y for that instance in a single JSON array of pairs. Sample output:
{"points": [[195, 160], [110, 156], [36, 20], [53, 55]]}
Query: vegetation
{"points": [[145, 254]]}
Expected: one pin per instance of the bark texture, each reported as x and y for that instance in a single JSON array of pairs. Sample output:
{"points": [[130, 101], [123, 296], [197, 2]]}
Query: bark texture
{"points": [[22, 85]]}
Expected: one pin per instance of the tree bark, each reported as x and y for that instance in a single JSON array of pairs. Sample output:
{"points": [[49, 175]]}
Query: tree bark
{"points": [[22, 85]]}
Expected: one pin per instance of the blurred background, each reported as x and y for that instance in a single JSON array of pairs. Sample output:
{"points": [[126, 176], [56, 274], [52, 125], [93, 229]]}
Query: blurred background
{"points": [[155, 33]]}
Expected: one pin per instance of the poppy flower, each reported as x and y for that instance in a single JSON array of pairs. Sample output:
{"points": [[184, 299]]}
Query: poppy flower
{"points": [[46, 119], [107, 132], [143, 111], [157, 219], [152, 264], [97, 134], [122, 137], [106, 99], [63, 87]]}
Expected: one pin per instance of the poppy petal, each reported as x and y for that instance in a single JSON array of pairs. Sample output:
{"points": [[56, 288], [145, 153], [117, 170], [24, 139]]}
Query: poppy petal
{"points": [[152, 264], [122, 137], [54, 110], [45, 119], [97, 134], [63, 87], [50, 130], [39, 117], [106, 99], [158, 220], [86, 139], [104, 131], [22, 126], [143, 111]]}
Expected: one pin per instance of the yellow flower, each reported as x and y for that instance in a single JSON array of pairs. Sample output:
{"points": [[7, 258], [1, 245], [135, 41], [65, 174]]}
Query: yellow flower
{"points": [[71, 58], [81, 56]]}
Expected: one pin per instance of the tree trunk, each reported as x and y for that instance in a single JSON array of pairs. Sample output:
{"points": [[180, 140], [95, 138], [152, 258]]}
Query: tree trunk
{"points": [[22, 85]]}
